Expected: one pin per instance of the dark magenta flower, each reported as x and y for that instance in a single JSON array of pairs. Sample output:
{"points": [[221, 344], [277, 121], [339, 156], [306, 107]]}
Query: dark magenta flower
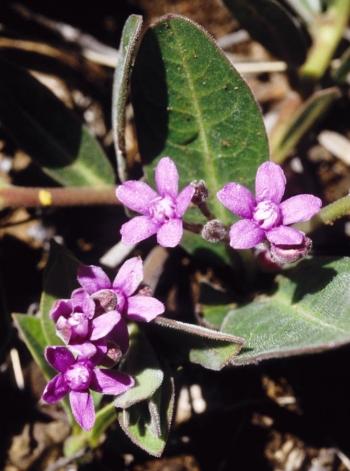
{"points": [[162, 212], [76, 322], [265, 217], [77, 377], [120, 293]]}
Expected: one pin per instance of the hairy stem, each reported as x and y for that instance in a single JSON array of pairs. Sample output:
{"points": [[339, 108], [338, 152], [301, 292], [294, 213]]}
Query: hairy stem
{"points": [[327, 215], [327, 31]]}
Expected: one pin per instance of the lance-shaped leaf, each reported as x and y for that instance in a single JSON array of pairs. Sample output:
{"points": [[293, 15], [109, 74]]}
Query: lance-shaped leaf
{"points": [[308, 311], [275, 27], [50, 133], [127, 51], [189, 342], [147, 424], [192, 105], [142, 364], [60, 279], [291, 129]]}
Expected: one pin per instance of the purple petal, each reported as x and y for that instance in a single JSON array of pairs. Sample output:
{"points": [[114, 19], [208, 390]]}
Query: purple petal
{"points": [[63, 329], [170, 233], [129, 276], [78, 296], [144, 308], [120, 335], [59, 358], [184, 200], [55, 389], [167, 177], [83, 409], [93, 278], [270, 182], [104, 324], [111, 382], [245, 234], [238, 199], [299, 208], [284, 235], [137, 229], [62, 307], [136, 195], [83, 351]]}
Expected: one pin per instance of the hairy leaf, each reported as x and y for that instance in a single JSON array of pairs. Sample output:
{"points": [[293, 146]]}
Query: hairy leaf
{"points": [[308, 311], [147, 423], [127, 51], [142, 364], [271, 24], [206, 347], [50, 133], [192, 105]]}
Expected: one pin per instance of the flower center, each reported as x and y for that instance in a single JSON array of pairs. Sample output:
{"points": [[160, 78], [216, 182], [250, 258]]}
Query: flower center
{"points": [[78, 377], [267, 214], [107, 299], [162, 209], [76, 318]]}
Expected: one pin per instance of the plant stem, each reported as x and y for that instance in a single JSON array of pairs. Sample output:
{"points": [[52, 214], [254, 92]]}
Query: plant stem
{"points": [[327, 31], [21, 197], [327, 215]]}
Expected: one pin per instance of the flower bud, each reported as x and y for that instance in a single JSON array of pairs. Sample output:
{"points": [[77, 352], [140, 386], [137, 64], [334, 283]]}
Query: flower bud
{"points": [[201, 192], [289, 254], [214, 231]]}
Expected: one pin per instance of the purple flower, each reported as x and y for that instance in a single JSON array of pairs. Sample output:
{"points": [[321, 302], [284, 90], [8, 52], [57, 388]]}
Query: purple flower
{"points": [[265, 216], [162, 212], [120, 294], [76, 322], [76, 377]]}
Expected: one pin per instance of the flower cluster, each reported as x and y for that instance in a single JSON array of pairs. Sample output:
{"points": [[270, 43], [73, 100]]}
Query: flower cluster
{"points": [[93, 325], [264, 217]]}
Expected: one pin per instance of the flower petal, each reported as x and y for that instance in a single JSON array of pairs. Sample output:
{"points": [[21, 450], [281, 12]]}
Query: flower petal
{"points": [[120, 336], [284, 235], [84, 350], [270, 182], [144, 308], [136, 195], [238, 199], [83, 409], [129, 276], [55, 389], [184, 200], [170, 233], [245, 234], [137, 229], [59, 358], [111, 382], [62, 307], [92, 278], [167, 177], [104, 324], [299, 208]]}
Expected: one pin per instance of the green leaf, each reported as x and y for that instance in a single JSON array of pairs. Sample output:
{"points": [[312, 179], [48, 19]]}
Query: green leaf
{"points": [[50, 133], [206, 347], [60, 279], [147, 423], [289, 131], [271, 24], [33, 336], [142, 364], [309, 311], [192, 105], [127, 51], [342, 73]]}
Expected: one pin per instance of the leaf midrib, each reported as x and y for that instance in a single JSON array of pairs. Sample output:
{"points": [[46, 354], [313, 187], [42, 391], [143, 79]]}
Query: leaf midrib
{"points": [[211, 171]]}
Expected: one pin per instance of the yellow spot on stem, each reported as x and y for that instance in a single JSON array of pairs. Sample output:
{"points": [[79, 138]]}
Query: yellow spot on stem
{"points": [[45, 198]]}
